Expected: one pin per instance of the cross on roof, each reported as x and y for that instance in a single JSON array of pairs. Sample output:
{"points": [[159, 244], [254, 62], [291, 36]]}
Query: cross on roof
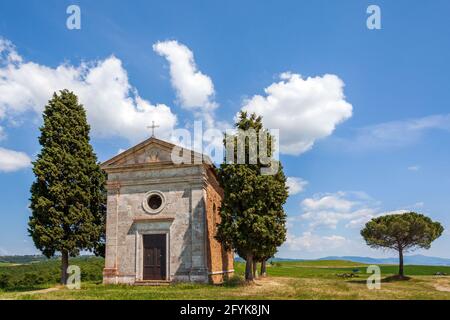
{"points": [[153, 126]]}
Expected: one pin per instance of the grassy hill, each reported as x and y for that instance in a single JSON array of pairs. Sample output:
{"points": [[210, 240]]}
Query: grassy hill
{"points": [[45, 273], [22, 259], [319, 279], [412, 259], [7, 264]]}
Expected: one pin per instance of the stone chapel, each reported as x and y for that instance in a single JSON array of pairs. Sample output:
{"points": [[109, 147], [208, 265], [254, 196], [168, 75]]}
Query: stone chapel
{"points": [[161, 218]]}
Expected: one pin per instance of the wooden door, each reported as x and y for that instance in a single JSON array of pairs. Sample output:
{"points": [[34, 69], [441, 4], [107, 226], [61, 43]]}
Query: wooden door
{"points": [[154, 257]]}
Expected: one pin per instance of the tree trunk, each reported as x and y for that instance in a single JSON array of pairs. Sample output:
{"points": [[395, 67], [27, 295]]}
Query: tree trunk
{"points": [[400, 268], [64, 266], [255, 269], [263, 268], [249, 268]]}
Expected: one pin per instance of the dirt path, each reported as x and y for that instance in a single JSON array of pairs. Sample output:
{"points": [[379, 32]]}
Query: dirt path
{"points": [[442, 285], [15, 295], [40, 291], [267, 286]]}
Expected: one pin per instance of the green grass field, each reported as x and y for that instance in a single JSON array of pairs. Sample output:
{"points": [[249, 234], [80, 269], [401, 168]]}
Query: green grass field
{"points": [[286, 280]]}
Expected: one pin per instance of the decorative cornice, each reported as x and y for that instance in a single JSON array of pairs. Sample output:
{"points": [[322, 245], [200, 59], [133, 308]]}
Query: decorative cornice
{"points": [[136, 148], [110, 164], [153, 219], [147, 165], [169, 180]]}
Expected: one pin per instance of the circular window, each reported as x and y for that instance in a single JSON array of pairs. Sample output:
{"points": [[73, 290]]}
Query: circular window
{"points": [[154, 202]]}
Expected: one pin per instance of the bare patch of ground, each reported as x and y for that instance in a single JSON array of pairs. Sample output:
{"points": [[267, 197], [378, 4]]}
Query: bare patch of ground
{"points": [[272, 287], [41, 291], [442, 285], [15, 295]]}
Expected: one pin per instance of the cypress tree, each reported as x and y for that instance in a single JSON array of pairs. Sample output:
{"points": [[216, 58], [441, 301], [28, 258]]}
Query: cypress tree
{"points": [[252, 216], [68, 194]]}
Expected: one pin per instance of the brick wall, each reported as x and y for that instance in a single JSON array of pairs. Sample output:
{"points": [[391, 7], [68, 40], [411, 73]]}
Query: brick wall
{"points": [[220, 261]]}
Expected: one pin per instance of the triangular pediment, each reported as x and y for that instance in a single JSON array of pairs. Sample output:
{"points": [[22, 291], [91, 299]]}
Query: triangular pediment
{"points": [[150, 151]]}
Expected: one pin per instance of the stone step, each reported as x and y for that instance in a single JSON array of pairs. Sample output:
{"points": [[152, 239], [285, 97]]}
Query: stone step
{"points": [[152, 283]]}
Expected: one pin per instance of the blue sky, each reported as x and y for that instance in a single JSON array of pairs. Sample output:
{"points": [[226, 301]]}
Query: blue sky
{"points": [[371, 138]]}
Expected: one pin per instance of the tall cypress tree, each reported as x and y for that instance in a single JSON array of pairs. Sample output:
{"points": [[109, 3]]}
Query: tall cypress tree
{"points": [[68, 195], [252, 216]]}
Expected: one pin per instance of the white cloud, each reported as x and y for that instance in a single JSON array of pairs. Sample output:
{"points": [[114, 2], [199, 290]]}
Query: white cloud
{"points": [[330, 224], [328, 202], [11, 160], [395, 133], [353, 209], [304, 110], [330, 209], [194, 89], [310, 245], [419, 204], [296, 185], [8, 52], [114, 108], [310, 242], [359, 222], [414, 168]]}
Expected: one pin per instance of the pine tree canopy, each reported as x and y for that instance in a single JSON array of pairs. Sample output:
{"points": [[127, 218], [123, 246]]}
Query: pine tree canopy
{"points": [[401, 232], [404, 231]]}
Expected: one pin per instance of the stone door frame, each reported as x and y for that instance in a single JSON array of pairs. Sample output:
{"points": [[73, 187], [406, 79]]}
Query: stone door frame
{"points": [[140, 252]]}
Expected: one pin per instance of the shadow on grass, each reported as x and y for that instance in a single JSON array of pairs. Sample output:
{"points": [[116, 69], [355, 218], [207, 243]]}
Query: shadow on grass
{"points": [[239, 281], [395, 278], [27, 288], [233, 282]]}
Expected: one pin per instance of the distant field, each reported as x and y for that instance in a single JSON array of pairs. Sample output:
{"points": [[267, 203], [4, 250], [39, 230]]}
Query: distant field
{"points": [[44, 274], [287, 280], [329, 268], [319, 263], [22, 259], [7, 264]]}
